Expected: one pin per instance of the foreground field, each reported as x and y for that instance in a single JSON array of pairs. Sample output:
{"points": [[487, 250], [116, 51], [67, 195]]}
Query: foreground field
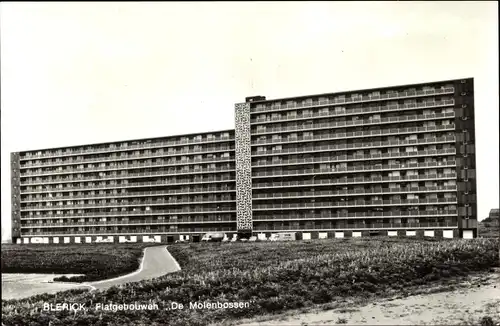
{"points": [[475, 301], [95, 262], [268, 278]]}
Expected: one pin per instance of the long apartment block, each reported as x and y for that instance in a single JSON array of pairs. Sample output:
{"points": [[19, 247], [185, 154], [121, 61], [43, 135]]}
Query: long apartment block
{"points": [[397, 161]]}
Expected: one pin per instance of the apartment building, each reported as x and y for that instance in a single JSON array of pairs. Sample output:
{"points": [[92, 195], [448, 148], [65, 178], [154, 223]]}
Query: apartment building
{"points": [[145, 190], [388, 161]]}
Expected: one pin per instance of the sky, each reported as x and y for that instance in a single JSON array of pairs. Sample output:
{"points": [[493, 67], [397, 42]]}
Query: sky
{"points": [[79, 73]]}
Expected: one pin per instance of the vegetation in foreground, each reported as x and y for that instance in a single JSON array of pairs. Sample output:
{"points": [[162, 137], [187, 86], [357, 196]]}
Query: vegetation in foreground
{"points": [[271, 277], [96, 262]]}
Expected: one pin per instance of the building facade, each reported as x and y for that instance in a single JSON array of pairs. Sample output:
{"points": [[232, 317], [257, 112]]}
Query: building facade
{"points": [[389, 161]]}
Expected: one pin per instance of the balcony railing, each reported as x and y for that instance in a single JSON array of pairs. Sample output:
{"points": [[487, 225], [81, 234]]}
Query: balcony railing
{"points": [[391, 214], [128, 232], [69, 152], [354, 203], [128, 158], [358, 157], [361, 145], [356, 123], [160, 183], [358, 226], [352, 192], [133, 156], [356, 111], [128, 204], [353, 169], [351, 135], [136, 213], [368, 98], [122, 223], [359, 180], [125, 176], [292, 216], [116, 168], [133, 195]]}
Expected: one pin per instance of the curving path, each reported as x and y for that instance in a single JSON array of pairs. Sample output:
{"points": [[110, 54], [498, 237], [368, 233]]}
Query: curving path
{"points": [[156, 261]]}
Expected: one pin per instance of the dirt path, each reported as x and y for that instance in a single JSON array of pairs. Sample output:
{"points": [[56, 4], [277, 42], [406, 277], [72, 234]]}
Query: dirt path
{"points": [[156, 262], [465, 305]]}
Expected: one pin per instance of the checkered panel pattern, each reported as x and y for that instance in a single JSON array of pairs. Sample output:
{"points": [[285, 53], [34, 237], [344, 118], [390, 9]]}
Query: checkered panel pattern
{"points": [[243, 167]]}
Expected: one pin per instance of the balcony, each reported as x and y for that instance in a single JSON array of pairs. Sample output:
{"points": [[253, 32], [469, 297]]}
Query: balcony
{"points": [[360, 180], [131, 156], [127, 204], [351, 135], [392, 214], [131, 185], [351, 169], [123, 223], [328, 126], [120, 167], [359, 226], [126, 176], [132, 213], [352, 192], [354, 203], [133, 195], [393, 96], [348, 158], [115, 149], [127, 232], [361, 145], [357, 123], [357, 111]]}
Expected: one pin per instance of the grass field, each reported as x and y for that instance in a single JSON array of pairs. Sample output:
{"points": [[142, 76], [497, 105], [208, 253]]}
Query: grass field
{"points": [[96, 262], [270, 278]]}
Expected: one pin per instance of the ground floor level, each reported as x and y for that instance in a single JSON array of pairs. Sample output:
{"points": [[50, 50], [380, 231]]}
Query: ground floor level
{"points": [[448, 233]]}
